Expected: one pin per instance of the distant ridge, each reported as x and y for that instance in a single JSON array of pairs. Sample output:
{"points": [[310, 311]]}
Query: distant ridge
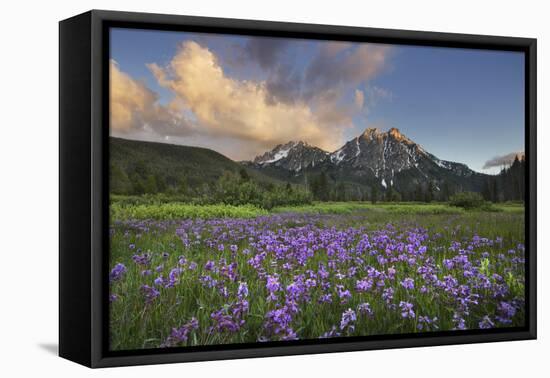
{"points": [[148, 167]]}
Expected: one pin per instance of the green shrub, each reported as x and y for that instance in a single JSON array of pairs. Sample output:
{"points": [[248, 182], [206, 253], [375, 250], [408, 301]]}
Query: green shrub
{"points": [[469, 200], [236, 190]]}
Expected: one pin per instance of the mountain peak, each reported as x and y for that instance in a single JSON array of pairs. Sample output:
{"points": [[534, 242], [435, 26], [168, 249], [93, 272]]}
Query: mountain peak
{"points": [[293, 144], [372, 132], [301, 143], [394, 132], [293, 155]]}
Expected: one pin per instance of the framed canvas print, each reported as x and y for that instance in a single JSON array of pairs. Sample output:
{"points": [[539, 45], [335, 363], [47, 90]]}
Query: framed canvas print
{"points": [[233, 188]]}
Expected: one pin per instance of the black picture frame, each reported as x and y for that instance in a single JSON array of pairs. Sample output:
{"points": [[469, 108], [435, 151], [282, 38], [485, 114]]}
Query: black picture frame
{"points": [[83, 181]]}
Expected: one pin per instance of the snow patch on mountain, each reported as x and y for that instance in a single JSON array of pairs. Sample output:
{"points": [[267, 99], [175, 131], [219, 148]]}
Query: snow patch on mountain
{"points": [[338, 156], [278, 156]]}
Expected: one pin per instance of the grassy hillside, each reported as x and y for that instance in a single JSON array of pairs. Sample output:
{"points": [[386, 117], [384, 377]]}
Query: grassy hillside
{"points": [[138, 167]]}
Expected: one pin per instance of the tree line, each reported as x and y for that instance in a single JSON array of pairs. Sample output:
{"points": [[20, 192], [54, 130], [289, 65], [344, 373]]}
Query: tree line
{"points": [[508, 185], [323, 189], [239, 188], [232, 188]]}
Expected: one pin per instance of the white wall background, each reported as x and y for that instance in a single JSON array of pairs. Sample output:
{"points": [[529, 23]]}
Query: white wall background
{"points": [[29, 186]]}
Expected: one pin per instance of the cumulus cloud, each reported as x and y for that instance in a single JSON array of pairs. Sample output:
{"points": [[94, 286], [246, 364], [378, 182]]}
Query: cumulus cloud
{"points": [[134, 108], [130, 99], [239, 109], [504, 160]]}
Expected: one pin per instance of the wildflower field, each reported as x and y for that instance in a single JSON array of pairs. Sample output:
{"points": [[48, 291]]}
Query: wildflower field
{"points": [[236, 276]]}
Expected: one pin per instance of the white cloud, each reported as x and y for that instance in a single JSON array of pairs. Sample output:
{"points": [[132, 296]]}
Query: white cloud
{"points": [[240, 109], [134, 107]]}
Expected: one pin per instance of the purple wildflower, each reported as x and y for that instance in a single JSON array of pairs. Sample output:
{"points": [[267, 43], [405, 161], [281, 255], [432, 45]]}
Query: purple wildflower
{"points": [[144, 259], [272, 287], [117, 272], [364, 309], [406, 309], [343, 294], [209, 265], [325, 298], [278, 324], [159, 281], [506, 312], [181, 334], [242, 292], [150, 293], [460, 323], [348, 319], [387, 295], [408, 283], [363, 285]]}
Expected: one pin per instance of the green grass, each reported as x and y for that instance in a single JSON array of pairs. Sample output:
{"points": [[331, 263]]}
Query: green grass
{"points": [[352, 207], [392, 207], [183, 211], [143, 207]]}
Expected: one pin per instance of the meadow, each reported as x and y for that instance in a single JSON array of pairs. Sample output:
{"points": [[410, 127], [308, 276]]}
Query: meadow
{"points": [[183, 275]]}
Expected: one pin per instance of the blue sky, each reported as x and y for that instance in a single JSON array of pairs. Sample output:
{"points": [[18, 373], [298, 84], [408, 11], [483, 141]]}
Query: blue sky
{"points": [[461, 105]]}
